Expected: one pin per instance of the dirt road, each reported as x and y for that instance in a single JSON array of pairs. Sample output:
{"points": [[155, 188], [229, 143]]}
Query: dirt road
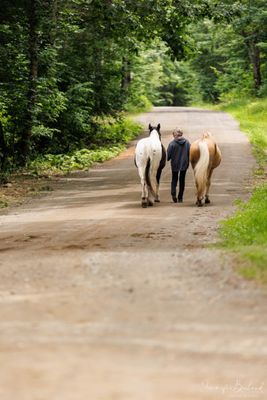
{"points": [[103, 300]]}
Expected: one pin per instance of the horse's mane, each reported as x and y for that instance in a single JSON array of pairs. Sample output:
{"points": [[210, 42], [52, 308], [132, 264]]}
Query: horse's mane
{"points": [[206, 135]]}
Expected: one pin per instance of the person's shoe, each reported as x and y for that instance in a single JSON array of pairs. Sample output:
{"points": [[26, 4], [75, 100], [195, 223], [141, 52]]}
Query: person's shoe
{"points": [[174, 199], [180, 200]]}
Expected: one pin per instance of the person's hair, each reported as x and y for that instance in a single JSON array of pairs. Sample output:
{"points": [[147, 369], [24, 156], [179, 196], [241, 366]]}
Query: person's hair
{"points": [[177, 132]]}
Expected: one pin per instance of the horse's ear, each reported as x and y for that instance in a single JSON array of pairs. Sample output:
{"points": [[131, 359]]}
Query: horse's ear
{"points": [[158, 127], [150, 127]]}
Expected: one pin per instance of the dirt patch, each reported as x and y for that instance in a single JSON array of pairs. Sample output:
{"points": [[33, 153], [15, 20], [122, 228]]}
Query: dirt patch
{"points": [[21, 188]]}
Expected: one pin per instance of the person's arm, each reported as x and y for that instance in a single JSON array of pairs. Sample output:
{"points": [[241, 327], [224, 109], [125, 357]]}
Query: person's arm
{"points": [[169, 152], [188, 153]]}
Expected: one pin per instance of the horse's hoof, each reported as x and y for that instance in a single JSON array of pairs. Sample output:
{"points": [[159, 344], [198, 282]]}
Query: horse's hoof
{"points": [[157, 200], [207, 201], [144, 202], [150, 204]]}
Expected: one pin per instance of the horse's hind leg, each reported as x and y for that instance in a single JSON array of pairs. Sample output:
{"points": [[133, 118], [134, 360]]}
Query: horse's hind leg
{"points": [[141, 172], [200, 196], [207, 199], [144, 199], [150, 197]]}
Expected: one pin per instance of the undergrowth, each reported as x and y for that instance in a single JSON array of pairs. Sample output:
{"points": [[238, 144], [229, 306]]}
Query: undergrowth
{"points": [[78, 160], [109, 141]]}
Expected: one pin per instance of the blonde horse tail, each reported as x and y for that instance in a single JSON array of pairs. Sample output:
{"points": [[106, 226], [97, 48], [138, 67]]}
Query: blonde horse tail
{"points": [[201, 168]]}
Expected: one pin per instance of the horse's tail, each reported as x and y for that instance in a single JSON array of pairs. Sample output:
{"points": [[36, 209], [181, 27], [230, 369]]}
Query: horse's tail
{"points": [[201, 168], [162, 163]]}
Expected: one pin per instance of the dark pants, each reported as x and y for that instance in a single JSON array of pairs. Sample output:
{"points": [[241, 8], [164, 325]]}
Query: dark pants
{"points": [[181, 183]]}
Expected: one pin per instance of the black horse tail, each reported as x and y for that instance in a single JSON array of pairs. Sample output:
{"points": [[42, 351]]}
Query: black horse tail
{"points": [[162, 162], [147, 175]]}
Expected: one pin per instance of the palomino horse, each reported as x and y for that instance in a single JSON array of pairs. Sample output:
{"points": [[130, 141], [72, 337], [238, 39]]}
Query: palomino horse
{"points": [[205, 155], [150, 159]]}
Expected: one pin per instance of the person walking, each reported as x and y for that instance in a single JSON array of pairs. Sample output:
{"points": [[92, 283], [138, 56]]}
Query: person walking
{"points": [[178, 154]]}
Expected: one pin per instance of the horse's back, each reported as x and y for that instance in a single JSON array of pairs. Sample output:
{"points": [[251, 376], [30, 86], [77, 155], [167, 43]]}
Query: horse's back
{"points": [[148, 149]]}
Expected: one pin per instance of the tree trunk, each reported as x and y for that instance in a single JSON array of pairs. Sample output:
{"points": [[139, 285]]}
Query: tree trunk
{"points": [[254, 55], [33, 74], [54, 6], [98, 80], [3, 148], [126, 75]]}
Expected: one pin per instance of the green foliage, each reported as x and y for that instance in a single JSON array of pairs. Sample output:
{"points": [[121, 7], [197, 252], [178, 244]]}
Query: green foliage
{"points": [[159, 80], [113, 132], [252, 115], [109, 141], [3, 204], [229, 51], [70, 65], [78, 160], [180, 85], [138, 103], [249, 225], [146, 77]]}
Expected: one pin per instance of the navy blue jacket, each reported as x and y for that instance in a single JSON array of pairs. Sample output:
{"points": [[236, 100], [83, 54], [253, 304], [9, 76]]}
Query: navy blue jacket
{"points": [[178, 153]]}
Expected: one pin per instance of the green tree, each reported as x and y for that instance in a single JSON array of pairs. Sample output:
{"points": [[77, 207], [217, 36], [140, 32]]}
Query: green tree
{"points": [[68, 65]]}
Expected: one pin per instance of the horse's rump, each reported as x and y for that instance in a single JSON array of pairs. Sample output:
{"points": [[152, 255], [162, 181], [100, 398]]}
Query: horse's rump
{"points": [[206, 142]]}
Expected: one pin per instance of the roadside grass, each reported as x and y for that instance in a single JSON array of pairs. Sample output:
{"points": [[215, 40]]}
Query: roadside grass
{"points": [[252, 115], [246, 231]]}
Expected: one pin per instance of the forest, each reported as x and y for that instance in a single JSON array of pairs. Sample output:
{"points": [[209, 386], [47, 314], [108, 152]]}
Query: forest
{"points": [[71, 71]]}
